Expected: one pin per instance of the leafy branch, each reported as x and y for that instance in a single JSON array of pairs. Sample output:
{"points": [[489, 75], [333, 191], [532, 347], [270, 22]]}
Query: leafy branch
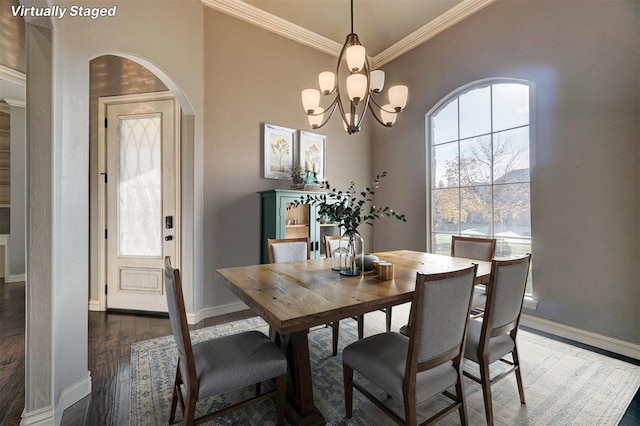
{"points": [[350, 208]]}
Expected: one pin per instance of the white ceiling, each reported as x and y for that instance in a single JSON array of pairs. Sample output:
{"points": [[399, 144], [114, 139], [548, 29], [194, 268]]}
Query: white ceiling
{"points": [[387, 28]]}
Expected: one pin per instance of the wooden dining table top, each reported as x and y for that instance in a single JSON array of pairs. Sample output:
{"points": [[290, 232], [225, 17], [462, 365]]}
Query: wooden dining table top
{"points": [[295, 296]]}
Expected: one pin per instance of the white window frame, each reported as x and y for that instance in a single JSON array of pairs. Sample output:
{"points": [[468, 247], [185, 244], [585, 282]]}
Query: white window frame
{"points": [[530, 303]]}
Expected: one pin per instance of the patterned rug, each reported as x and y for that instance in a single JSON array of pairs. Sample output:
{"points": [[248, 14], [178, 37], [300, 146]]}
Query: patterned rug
{"points": [[564, 385]]}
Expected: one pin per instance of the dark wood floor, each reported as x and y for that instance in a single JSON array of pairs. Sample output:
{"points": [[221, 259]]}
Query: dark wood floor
{"points": [[110, 339], [11, 353]]}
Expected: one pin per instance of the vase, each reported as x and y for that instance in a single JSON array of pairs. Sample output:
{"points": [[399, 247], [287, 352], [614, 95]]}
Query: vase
{"points": [[354, 255]]}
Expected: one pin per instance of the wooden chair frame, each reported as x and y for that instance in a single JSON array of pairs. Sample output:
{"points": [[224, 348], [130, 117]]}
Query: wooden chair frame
{"points": [[477, 309], [491, 241], [190, 381], [489, 331], [273, 241], [413, 367]]}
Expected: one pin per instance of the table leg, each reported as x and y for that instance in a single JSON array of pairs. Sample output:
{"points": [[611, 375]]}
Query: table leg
{"points": [[300, 409]]}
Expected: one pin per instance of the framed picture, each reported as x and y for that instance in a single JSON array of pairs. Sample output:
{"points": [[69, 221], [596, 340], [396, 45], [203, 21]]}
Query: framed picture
{"points": [[279, 145], [313, 154]]}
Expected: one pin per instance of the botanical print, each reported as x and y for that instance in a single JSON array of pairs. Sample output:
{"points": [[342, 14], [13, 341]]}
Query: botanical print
{"points": [[279, 145], [280, 153], [312, 154]]}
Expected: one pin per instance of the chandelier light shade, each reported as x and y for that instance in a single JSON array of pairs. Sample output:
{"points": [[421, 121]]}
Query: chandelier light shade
{"points": [[354, 86]]}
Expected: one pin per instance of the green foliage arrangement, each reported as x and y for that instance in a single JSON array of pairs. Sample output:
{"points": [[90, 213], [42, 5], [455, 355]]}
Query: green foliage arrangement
{"points": [[349, 208]]}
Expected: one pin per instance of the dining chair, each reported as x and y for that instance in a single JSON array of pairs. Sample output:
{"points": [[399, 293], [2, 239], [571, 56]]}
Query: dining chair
{"points": [[288, 249], [493, 337], [428, 361], [220, 365], [478, 249], [296, 249]]}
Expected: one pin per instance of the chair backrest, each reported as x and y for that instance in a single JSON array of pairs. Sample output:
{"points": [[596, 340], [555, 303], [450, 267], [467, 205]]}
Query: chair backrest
{"points": [[288, 250], [473, 248], [331, 242], [439, 317], [179, 327], [505, 295]]}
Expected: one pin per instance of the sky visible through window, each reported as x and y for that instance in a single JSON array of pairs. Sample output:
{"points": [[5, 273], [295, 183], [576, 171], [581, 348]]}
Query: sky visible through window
{"points": [[480, 168]]}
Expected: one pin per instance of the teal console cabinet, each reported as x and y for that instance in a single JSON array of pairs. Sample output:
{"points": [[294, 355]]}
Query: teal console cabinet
{"points": [[279, 221]]}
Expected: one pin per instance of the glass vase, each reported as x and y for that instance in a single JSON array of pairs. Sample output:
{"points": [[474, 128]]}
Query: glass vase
{"points": [[354, 256]]}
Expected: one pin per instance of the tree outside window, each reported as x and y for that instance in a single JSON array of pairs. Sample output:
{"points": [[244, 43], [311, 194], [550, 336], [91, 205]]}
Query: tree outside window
{"points": [[479, 144]]}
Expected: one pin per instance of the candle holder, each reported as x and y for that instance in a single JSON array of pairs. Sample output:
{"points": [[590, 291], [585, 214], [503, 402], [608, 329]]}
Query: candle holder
{"points": [[311, 177]]}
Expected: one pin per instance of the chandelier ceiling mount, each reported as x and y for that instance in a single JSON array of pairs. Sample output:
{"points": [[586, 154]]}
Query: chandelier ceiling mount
{"points": [[362, 85]]}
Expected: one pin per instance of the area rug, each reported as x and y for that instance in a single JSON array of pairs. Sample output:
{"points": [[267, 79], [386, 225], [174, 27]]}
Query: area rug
{"points": [[564, 385]]}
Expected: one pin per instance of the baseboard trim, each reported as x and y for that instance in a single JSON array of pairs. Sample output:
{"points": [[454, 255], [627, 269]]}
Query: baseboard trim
{"points": [[52, 415], [72, 394], [212, 311], [17, 278], [41, 417], [94, 305], [608, 343]]}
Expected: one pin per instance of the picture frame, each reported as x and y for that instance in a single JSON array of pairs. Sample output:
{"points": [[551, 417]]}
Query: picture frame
{"points": [[313, 149], [279, 149]]}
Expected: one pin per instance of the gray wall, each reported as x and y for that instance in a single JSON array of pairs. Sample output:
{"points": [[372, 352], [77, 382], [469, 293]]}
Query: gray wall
{"points": [[584, 61], [251, 77]]}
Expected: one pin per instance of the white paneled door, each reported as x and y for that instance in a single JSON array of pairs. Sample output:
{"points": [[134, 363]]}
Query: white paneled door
{"points": [[142, 213]]}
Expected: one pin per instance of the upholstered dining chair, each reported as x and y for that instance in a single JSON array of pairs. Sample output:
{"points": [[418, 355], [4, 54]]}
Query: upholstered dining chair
{"points": [[219, 365], [493, 337], [478, 249], [288, 249], [291, 250], [331, 242], [428, 361]]}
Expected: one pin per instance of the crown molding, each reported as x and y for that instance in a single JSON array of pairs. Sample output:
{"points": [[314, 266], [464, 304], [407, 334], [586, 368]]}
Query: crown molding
{"points": [[15, 103], [275, 24], [448, 19], [12, 75]]}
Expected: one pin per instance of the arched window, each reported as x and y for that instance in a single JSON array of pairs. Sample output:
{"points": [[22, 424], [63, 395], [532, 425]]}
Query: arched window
{"points": [[478, 142]]}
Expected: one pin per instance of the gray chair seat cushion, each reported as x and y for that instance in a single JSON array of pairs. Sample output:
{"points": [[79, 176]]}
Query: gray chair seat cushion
{"points": [[498, 346], [382, 359], [235, 361]]}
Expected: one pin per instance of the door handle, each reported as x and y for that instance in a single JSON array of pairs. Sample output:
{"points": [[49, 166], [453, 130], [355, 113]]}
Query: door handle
{"points": [[168, 222], [168, 238]]}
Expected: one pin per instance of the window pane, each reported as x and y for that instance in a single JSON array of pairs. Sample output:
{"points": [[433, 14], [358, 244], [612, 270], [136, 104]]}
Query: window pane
{"points": [[445, 123], [442, 244], [446, 210], [511, 212], [475, 210], [444, 166], [475, 164], [512, 247], [480, 169], [140, 188], [475, 112], [511, 156], [510, 106]]}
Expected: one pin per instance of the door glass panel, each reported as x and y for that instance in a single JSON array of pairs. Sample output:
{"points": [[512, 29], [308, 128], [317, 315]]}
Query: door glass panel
{"points": [[140, 187]]}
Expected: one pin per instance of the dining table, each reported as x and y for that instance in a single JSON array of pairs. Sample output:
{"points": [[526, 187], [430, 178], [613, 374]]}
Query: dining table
{"points": [[293, 297]]}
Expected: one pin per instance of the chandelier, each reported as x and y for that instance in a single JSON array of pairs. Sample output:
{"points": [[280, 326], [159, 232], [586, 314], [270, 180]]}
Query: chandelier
{"points": [[362, 85]]}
